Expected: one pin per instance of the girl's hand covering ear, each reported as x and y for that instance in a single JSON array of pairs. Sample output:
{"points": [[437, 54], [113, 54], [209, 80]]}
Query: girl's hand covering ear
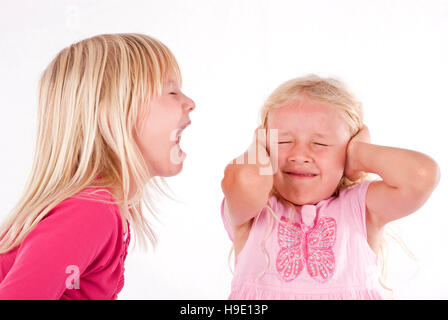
{"points": [[352, 167]]}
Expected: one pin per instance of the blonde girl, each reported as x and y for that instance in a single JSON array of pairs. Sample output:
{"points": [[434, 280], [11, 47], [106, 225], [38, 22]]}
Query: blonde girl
{"points": [[312, 229], [111, 113]]}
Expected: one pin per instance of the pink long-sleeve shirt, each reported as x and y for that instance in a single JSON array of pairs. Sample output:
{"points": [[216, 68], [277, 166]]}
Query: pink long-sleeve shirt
{"points": [[76, 252]]}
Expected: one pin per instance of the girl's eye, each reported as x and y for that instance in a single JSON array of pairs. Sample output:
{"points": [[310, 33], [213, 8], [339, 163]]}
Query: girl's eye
{"points": [[321, 144], [173, 93], [284, 142]]}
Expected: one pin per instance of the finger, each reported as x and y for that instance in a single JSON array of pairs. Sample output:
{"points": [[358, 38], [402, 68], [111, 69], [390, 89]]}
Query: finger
{"points": [[262, 137], [365, 134], [255, 135]]}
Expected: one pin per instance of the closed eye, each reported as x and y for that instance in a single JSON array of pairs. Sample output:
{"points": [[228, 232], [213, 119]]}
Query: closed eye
{"points": [[173, 93], [321, 144], [284, 142]]}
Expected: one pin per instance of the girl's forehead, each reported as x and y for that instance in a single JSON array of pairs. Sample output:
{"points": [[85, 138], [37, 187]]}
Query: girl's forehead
{"points": [[171, 78], [308, 116], [303, 111], [172, 81]]}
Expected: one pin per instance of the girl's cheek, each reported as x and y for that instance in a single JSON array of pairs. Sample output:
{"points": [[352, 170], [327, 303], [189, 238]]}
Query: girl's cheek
{"points": [[281, 158]]}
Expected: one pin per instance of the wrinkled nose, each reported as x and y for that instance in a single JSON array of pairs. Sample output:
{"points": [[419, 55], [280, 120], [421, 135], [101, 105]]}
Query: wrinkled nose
{"points": [[300, 154]]}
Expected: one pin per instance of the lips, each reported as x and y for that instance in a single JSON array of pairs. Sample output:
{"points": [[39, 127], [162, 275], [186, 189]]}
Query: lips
{"points": [[300, 173], [185, 125]]}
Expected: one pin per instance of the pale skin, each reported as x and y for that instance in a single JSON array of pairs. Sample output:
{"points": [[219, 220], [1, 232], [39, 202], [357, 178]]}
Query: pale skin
{"points": [[408, 177], [158, 135]]}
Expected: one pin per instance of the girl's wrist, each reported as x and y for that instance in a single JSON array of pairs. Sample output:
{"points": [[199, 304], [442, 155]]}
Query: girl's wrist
{"points": [[354, 153]]}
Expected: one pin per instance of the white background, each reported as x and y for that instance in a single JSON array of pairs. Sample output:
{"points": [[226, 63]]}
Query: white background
{"points": [[393, 54]]}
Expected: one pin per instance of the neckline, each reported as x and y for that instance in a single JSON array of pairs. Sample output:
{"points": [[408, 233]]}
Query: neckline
{"points": [[308, 216]]}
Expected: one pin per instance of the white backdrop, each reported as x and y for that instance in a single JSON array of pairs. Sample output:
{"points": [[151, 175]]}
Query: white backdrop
{"points": [[233, 53]]}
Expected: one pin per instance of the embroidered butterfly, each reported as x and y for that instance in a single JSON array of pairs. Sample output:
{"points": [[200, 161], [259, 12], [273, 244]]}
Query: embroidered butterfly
{"points": [[312, 247]]}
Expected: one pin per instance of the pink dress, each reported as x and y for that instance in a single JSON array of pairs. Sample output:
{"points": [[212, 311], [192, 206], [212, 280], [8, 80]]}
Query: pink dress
{"points": [[322, 254], [76, 252]]}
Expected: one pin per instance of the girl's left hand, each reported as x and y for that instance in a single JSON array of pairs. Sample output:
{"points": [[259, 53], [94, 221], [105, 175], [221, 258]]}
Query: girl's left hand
{"points": [[351, 170]]}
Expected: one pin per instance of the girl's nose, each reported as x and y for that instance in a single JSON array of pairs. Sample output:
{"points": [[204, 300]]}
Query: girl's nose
{"points": [[300, 153], [189, 104]]}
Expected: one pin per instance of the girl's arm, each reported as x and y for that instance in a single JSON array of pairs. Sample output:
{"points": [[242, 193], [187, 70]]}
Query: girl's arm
{"points": [[408, 179], [246, 191]]}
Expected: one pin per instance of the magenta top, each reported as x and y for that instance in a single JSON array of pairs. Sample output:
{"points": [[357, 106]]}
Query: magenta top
{"points": [[76, 252], [322, 254]]}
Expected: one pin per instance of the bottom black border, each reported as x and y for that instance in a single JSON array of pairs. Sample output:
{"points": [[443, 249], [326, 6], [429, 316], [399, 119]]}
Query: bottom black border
{"points": [[233, 309]]}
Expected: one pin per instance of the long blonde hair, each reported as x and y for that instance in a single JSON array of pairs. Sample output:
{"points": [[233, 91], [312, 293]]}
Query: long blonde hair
{"points": [[90, 98], [335, 94]]}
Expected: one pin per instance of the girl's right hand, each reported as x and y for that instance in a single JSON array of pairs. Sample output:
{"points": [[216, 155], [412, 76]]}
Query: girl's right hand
{"points": [[257, 152], [247, 182]]}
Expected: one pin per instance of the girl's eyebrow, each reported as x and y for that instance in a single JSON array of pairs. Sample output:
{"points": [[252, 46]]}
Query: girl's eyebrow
{"points": [[283, 133], [320, 135], [287, 132], [171, 83]]}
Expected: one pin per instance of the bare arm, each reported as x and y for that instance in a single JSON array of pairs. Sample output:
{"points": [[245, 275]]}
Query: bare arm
{"points": [[245, 189], [408, 179]]}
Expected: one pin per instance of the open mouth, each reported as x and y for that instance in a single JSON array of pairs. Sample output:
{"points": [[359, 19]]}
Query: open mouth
{"points": [[177, 155], [176, 135], [178, 139]]}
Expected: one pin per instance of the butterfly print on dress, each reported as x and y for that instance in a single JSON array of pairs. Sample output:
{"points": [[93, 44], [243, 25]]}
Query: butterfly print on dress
{"points": [[313, 248]]}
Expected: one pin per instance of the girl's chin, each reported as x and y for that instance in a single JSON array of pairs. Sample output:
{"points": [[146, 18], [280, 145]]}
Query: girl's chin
{"points": [[169, 166], [171, 170], [176, 161], [296, 197], [174, 171]]}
